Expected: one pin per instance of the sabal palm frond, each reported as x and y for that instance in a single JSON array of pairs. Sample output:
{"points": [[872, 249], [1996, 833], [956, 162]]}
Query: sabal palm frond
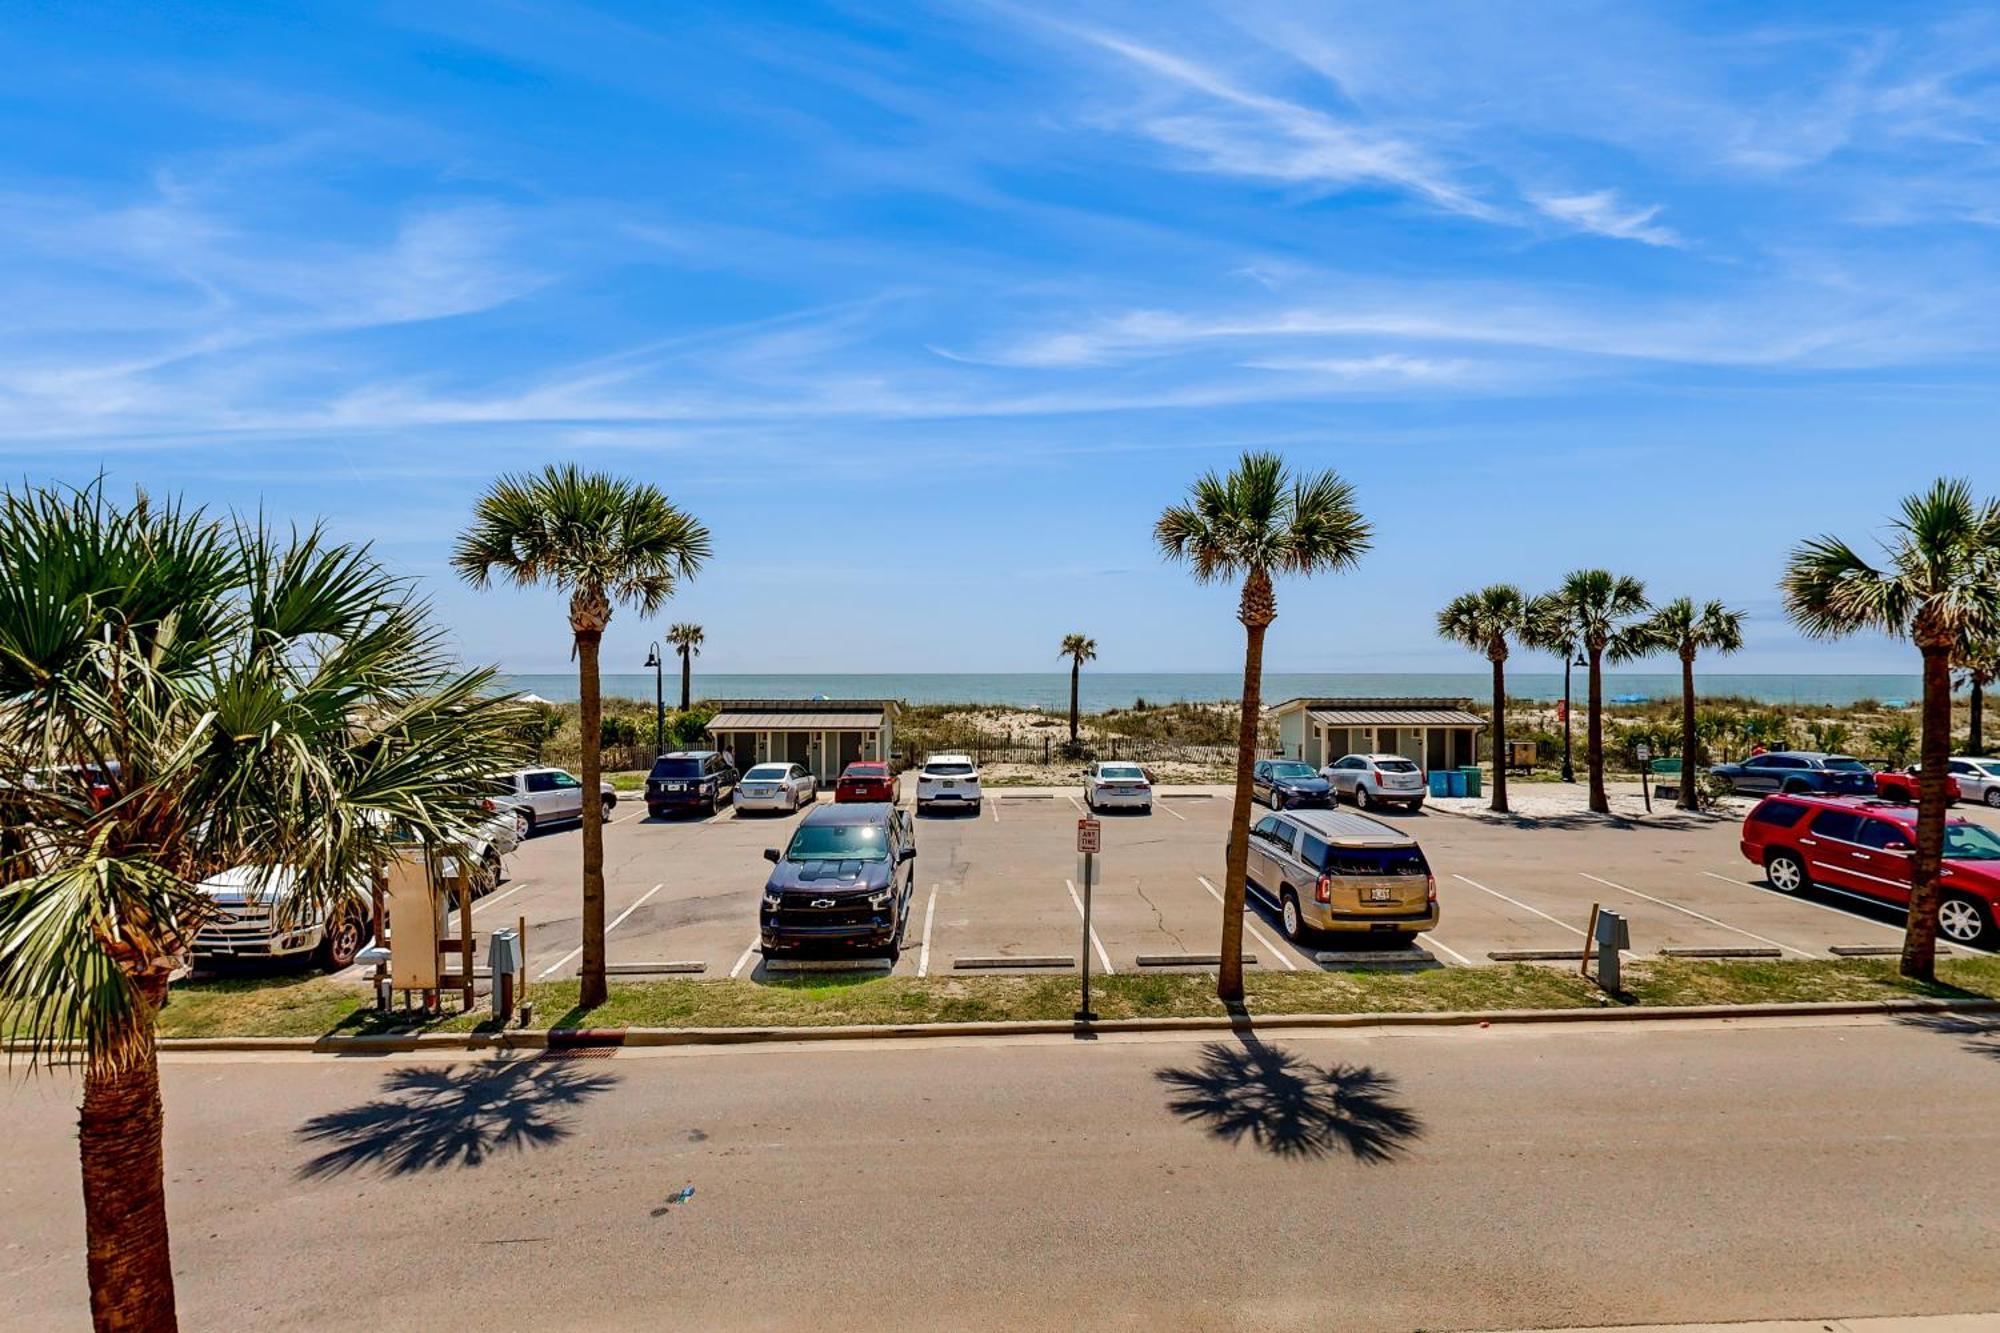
{"points": [[1939, 586], [1485, 621], [1078, 648], [686, 638], [248, 699]]}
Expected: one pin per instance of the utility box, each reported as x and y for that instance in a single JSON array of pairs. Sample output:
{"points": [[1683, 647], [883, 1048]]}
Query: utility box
{"points": [[1613, 937], [504, 957]]}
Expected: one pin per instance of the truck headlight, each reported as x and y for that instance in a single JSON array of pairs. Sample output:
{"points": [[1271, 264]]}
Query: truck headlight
{"points": [[773, 901], [880, 901]]}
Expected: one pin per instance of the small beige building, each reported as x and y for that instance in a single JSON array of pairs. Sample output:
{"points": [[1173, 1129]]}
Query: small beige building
{"points": [[1434, 733], [825, 735]]}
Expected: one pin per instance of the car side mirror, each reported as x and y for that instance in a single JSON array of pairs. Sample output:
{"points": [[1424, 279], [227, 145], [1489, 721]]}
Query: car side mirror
{"points": [[771, 855], [907, 854]]}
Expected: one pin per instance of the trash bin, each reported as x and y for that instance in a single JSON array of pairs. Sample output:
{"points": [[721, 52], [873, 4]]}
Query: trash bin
{"points": [[1440, 785], [1455, 783], [1471, 780]]}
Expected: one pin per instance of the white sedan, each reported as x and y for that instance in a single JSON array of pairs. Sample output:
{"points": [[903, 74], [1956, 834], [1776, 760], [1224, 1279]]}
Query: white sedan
{"points": [[1115, 786], [783, 787]]}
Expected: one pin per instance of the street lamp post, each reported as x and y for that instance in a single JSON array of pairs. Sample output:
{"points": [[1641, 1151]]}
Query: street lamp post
{"points": [[655, 661], [1569, 768]]}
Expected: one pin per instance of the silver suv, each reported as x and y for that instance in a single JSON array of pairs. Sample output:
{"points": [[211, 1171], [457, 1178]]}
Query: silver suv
{"points": [[1371, 779], [538, 797]]}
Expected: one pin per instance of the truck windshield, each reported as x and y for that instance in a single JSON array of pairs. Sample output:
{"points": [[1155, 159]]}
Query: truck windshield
{"points": [[838, 842]]}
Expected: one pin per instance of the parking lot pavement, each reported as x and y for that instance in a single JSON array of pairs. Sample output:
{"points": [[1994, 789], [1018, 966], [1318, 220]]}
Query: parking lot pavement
{"points": [[1003, 886]]}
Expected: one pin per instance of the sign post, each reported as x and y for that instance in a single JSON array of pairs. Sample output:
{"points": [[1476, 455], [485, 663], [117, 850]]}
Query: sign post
{"points": [[1089, 841], [1645, 754]]}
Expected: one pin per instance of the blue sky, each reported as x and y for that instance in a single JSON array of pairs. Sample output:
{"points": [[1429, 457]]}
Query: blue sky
{"points": [[927, 310]]}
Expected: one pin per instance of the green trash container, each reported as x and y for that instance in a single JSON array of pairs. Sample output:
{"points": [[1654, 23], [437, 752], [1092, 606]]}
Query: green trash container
{"points": [[1471, 772]]}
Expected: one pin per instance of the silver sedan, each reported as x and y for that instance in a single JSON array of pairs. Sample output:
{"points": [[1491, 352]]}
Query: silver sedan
{"points": [[782, 787]]}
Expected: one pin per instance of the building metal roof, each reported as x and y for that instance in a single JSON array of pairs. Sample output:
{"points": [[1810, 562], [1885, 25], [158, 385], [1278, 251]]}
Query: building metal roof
{"points": [[1391, 713], [800, 714]]}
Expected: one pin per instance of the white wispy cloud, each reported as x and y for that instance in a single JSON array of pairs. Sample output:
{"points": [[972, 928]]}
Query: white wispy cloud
{"points": [[1602, 213]]}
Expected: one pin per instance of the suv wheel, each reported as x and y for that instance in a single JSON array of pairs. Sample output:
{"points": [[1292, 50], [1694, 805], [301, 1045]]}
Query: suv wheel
{"points": [[490, 873], [1360, 797], [342, 942], [1993, 797], [1786, 872], [607, 805], [524, 825], [1795, 788], [1965, 920], [1291, 918]]}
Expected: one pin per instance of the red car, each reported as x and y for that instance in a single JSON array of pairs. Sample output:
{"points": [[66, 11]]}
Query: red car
{"points": [[865, 780], [1901, 785], [1860, 848]]}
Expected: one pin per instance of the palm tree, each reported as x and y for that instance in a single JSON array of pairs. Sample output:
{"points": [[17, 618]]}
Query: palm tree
{"points": [[1484, 621], [1979, 660], [217, 696], [1679, 628], [1893, 741], [1940, 587], [1591, 610], [602, 540], [1257, 522], [686, 639], [1078, 649]]}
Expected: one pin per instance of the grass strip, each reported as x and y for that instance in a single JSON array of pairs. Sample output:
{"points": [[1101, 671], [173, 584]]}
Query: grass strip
{"points": [[310, 1007]]}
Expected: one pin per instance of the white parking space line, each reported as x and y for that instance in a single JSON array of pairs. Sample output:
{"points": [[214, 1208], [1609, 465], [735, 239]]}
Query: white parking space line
{"points": [[1102, 956], [616, 921], [1078, 804], [1803, 901], [493, 898], [1556, 920], [1170, 810], [994, 806], [622, 818], [1437, 943], [1216, 894], [744, 957], [924, 955], [1699, 916]]}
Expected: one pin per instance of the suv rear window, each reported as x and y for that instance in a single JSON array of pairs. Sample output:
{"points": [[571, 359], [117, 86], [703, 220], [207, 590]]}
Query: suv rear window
{"points": [[1374, 861], [677, 768], [948, 770], [1395, 766], [1778, 814], [1842, 763]]}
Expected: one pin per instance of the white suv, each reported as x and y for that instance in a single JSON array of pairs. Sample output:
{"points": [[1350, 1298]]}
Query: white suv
{"points": [[948, 779], [537, 797]]}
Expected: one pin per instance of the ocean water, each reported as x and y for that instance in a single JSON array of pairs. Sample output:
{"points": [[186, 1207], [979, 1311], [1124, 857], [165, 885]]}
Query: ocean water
{"points": [[1101, 690]]}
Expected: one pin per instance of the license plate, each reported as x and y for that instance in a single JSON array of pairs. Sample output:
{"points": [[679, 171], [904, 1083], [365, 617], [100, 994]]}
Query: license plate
{"points": [[677, 786], [948, 782], [1383, 895]]}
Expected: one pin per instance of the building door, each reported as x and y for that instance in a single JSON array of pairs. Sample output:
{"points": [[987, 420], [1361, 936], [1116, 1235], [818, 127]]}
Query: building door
{"points": [[798, 747], [850, 747]]}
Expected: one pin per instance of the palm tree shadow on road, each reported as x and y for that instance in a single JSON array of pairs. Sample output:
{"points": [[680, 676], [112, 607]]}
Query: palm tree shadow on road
{"points": [[431, 1118], [1289, 1107], [1978, 1034]]}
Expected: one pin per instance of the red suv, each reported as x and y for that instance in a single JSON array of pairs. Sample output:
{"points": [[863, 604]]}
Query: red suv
{"points": [[1861, 848], [865, 780]]}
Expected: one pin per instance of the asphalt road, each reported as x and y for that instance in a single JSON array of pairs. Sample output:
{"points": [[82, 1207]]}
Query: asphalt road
{"points": [[1506, 1177]]}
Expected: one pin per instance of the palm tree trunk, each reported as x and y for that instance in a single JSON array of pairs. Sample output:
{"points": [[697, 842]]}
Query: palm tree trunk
{"points": [[592, 990], [1499, 735], [1593, 754], [1075, 674], [687, 678], [1257, 612], [1690, 798], [1934, 753], [120, 1142]]}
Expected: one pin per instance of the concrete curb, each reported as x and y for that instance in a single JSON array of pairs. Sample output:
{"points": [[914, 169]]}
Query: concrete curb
{"points": [[578, 1038]]}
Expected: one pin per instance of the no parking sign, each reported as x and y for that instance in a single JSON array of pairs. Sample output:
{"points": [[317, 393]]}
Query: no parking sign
{"points": [[1089, 835]]}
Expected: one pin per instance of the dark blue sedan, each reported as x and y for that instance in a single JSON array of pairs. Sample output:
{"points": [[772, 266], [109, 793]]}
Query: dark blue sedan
{"points": [[1797, 772], [1285, 784]]}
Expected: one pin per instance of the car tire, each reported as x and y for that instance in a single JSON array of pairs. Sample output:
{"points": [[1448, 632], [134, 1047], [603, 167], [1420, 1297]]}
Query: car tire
{"points": [[1291, 919], [606, 806], [1787, 872], [977, 806], [491, 872], [343, 941], [1993, 797], [1967, 921], [524, 825], [1361, 797], [1795, 788]]}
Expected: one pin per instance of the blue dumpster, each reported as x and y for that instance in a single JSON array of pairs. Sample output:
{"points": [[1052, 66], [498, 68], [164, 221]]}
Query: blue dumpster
{"points": [[1439, 784], [1454, 783]]}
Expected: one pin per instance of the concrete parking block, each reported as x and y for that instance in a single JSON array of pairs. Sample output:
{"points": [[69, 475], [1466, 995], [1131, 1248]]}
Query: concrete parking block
{"points": [[1747, 952], [1189, 959], [1023, 960], [1392, 960], [651, 969], [1535, 955], [827, 964]]}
